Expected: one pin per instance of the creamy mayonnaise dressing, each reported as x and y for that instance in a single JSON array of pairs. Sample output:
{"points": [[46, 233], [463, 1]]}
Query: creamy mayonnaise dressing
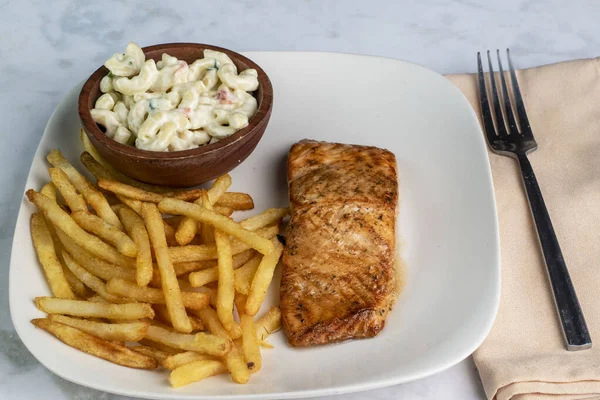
{"points": [[171, 105]]}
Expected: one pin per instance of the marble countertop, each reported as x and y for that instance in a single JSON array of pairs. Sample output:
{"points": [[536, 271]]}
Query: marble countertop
{"points": [[46, 47]]}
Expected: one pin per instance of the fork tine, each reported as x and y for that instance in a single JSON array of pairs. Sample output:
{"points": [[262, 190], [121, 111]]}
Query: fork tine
{"points": [[512, 123], [500, 126], [524, 121], [486, 114]]}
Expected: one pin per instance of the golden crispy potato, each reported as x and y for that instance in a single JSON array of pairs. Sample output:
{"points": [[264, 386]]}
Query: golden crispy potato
{"points": [[195, 371], [200, 342], [170, 286], [91, 281], [188, 227], [73, 199], [262, 279], [128, 289], [44, 247], [243, 276], [235, 363], [88, 309], [94, 265], [116, 353], [135, 193], [162, 314], [134, 225], [64, 222], [268, 323], [236, 201], [107, 232], [250, 344], [203, 252], [271, 216], [209, 318], [49, 190], [93, 196], [177, 360], [122, 331], [252, 239]]}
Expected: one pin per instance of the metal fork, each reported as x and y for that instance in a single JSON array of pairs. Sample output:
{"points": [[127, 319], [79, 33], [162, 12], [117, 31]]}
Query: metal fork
{"points": [[514, 138]]}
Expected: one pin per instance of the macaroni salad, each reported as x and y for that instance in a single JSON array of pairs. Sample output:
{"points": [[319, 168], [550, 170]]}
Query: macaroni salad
{"points": [[171, 105]]}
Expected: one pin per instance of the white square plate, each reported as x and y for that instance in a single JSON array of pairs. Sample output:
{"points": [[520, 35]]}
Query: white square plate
{"points": [[448, 230]]}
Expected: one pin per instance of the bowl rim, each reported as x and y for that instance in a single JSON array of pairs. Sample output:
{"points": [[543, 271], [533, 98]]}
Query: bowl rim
{"points": [[263, 110]]}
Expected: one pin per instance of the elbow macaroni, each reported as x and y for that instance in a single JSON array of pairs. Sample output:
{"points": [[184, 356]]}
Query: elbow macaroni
{"points": [[173, 106]]}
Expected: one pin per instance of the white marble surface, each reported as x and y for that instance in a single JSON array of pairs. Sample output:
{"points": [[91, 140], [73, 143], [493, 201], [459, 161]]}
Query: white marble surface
{"points": [[47, 46]]}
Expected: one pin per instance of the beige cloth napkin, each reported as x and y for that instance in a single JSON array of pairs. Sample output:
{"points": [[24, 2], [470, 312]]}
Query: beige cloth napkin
{"points": [[524, 357]]}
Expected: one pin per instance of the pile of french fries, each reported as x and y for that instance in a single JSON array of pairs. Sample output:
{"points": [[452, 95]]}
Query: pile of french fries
{"points": [[146, 276]]}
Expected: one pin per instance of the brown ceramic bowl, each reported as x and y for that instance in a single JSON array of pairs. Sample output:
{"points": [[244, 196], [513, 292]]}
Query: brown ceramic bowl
{"points": [[179, 168]]}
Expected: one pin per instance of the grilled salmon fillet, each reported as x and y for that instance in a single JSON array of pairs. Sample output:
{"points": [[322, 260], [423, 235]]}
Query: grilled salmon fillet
{"points": [[338, 278]]}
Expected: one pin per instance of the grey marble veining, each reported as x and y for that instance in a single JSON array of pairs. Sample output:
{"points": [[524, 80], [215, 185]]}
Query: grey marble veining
{"points": [[48, 46]]}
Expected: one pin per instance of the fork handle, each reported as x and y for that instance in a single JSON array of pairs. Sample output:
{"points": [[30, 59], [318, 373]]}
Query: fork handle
{"points": [[575, 330]]}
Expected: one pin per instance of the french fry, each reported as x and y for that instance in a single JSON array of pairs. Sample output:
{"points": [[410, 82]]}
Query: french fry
{"points": [[49, 190], [266, 218], [226, 211], [135, 205], [64, 222], [262, 279], [225, 290], [192, 266], [157, 354], [177, 360], [44, 247], [174, 206], [188, 227], [207, 232], [268, 323], [250, 345], [243, 276], [201, 342], [212, 292], [96, 298], [94, 265], [184, 285], [211, 321], [89, 148], [108, 232], [73, 199], [235, 363], [80, 308], [195, 371], [123, 332], [92, 195], [135, 193], [95, 167], [218, 188], [211, 274], [170, 286], [76, 285], [134, 225], [163, 314], [117, 207], [203, 252], [173, 220], [159, 346], [169, 234], [101, 171], [112, 173], [121, 287], [91, 281], [237, 201], [114, 352]]}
